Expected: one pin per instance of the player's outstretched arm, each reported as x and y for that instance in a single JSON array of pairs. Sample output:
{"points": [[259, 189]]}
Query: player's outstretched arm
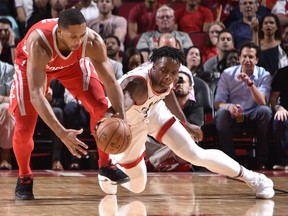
{"points": [[96, 51], [39, 56], [174, 107]]}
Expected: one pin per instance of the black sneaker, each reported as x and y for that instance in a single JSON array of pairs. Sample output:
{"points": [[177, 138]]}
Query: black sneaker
{"points": [[112, 174], [24, 189]]}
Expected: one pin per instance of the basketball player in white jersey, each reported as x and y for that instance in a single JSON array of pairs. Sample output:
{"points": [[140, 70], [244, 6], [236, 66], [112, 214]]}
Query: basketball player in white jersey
{"points": [[151, 108]]}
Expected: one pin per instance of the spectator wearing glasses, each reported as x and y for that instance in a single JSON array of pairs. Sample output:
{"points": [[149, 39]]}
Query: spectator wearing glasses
{"points": [[165, 22]]}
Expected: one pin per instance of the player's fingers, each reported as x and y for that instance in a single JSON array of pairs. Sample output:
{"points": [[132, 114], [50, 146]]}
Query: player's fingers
{"points": [[83, 145], [79, 131]]}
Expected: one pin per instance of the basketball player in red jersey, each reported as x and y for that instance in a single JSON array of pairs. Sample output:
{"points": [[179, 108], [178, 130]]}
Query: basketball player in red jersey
{"points": [[63, 49]]}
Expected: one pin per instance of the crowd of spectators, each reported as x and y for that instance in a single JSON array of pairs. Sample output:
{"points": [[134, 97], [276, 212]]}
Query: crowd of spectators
{"points": [[132, 32]]}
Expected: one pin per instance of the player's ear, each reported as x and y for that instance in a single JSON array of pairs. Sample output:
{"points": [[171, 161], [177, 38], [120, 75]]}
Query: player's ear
{"points": [[59, 31]]}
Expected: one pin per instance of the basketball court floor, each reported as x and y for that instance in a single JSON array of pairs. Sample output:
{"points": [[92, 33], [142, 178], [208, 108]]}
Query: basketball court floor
{"points": [[166, 194]]}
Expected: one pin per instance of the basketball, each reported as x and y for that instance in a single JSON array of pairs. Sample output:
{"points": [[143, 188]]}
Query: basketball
{"points": [[113, 136]]}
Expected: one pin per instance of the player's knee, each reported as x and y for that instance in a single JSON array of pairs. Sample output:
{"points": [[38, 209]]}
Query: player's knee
{"points": [[137, 188]]}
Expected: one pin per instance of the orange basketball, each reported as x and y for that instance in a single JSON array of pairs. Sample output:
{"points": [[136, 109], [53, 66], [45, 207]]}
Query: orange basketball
{"points": [[113, 136]]}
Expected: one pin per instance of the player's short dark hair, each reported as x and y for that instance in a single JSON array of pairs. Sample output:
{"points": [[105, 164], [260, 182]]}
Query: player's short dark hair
{"points": [[70, 17], [166, 51]]}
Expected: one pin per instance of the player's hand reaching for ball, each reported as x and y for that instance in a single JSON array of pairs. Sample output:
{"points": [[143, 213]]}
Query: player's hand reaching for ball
{"points": [[75, 146]]}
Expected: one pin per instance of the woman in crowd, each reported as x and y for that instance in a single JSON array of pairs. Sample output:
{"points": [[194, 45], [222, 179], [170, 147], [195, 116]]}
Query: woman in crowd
{"points": [[132, 58], [210, 49]]}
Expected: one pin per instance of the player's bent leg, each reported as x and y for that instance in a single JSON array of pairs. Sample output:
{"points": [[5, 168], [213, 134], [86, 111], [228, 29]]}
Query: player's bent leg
{"points": [[138, 178], [179, 140]]}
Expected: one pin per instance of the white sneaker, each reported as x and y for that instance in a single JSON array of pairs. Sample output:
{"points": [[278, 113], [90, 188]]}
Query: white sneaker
{"points": [[262, 185], [107, 187]]}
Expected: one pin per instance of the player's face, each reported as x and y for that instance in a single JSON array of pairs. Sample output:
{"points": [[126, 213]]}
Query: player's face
{"points": [[72, 37], [164, 72]]}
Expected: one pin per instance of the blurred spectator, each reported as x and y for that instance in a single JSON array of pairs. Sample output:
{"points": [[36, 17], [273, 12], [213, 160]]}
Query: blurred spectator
{"points": [[235, 13], [225, 42], [9, 41], [194, 64], [132, 58], [45, 10], [5, 13], [279, 103], [210, 50], [272, 56], [88, 8], [113, 47], [7, 121], [41, 10], [117, 67], [70, 113], [284, 37], [194, 17], [109, 24], [241, 29], [24, 9], [223, 9], [230, 59], [281, 10], [55, 96], [76, 117], [165, 23], [242, 96], [168, 39], [142, 18]]}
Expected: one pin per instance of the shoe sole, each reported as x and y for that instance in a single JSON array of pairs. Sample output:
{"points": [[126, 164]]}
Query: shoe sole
{"points": [[24, 197], [266, 196], [122, 181]]}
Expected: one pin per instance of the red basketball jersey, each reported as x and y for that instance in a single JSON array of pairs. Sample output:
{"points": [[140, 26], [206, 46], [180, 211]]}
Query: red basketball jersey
{"points": [[47, 30]]}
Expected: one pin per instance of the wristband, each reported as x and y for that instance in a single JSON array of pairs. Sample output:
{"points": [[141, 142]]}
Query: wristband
{"points": [[250, 84], [12, 46]]}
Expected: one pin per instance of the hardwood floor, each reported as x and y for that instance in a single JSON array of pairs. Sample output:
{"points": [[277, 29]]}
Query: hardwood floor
{"points": [[166, 194]]}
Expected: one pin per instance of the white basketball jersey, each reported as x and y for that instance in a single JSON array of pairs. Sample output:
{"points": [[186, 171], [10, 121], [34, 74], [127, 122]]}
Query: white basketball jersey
{"points": [[138, 113]]}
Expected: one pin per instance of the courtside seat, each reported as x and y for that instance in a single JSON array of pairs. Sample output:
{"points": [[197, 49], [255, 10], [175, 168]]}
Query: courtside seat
{"points": [[199, 39]]}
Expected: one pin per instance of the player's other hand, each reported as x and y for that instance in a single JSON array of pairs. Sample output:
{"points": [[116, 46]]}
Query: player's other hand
{"points": [[74, 145], [195, 132]]}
